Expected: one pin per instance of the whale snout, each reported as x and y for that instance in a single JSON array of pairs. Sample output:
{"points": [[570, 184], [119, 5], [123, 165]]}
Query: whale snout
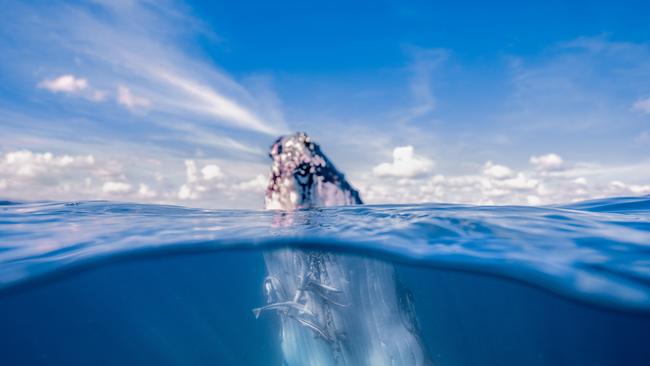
{"points": [[302, 176]]}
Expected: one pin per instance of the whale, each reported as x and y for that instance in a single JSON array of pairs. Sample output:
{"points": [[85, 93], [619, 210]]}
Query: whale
{"points": [[333, 309]]}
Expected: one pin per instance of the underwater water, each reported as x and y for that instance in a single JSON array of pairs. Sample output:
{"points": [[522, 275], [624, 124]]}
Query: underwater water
{"points": [[108, 283]]}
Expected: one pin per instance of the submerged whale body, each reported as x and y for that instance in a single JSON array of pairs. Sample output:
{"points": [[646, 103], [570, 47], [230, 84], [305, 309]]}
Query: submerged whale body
{"points": [[334, 309]]}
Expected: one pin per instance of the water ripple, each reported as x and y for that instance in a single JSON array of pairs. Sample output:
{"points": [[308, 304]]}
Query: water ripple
{"points": [[595, 251]]}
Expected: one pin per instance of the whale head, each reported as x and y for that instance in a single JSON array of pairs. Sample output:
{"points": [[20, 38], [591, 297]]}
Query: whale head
{"points": [[302, 176]]}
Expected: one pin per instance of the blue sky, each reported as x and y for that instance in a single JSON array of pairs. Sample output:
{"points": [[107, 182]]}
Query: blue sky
{"points": [[177, 102]]}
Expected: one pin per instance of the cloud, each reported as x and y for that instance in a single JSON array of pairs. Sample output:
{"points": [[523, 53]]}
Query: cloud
{"points": [[548, 162], [197, 184], [186, 192], [570, 94], [405, 164], [97, 96], [144, 191], [642, 106], [126, 98], [116, 187], [72, 85], [211, 172], [211, 102], [424, 64], [643, 138], [496, 184], [497, 171], [44, 175], [28, 164], [29, 175], [257, 184], [26, 174], [176, 83], [142, 55], [618, 188], [64, 84]]}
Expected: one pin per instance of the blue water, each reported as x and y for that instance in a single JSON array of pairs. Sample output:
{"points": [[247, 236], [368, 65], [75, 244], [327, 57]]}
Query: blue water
{"points": [[117, 283]]}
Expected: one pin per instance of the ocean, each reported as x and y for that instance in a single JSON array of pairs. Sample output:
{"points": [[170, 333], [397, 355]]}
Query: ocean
{"points": [[110, 283]]}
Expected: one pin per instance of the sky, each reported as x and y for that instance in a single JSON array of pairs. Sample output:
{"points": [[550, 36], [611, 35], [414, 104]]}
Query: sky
{"points": [[175, 102]]}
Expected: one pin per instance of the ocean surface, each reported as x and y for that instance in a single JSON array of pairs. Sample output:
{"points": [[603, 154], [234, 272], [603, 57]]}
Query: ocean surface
{"points": [[108, 283]]}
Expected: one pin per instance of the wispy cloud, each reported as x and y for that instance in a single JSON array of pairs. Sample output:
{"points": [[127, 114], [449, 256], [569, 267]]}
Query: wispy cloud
{"points": [[424, 64], [173, 81], [578, 85], [140, 50], [643, 138], [642, 106], [126, 98], [142, 57], [209, 101]]}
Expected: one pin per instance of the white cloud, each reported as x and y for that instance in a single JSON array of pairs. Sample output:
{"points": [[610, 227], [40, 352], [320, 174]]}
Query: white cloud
{"points": [[642, 106], [211, 171], [126, 98], [32, 175], [190, 171], [640, 189], [548, 162], [498, 184], [497, 171], [116, 187], [616, 187], [580, 180], [533, 200], [65, 83], [209, 181], [30, 164], [144, 191], [406, 164], [187, 193], [44, 175], [29, 175], [72, 85], [520, 182], [257, 184]]}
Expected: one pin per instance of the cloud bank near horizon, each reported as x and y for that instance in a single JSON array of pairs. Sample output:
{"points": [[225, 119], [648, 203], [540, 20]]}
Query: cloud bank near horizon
{"points": [[547, 180], [29, 175]]}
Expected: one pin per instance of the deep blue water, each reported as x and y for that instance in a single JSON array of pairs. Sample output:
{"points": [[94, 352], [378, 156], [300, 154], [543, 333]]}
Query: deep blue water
{"points": [[110, 283]]}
